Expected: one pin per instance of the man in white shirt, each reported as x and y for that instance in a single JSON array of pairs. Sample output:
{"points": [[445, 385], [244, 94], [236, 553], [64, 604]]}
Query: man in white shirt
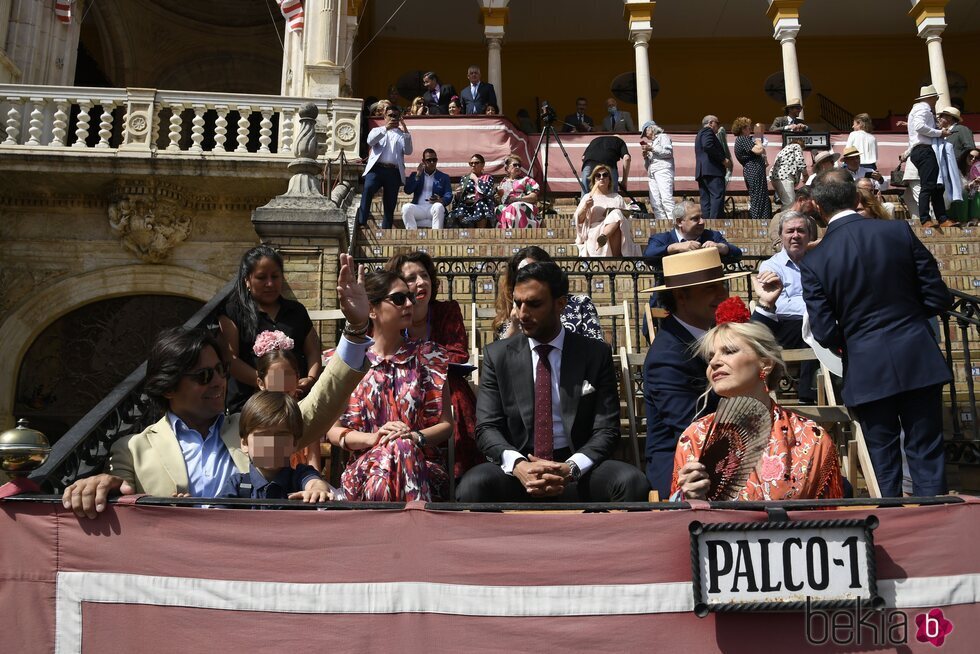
{"points": [[922, 134], [385, 169], [547, 413], [431, 192]]}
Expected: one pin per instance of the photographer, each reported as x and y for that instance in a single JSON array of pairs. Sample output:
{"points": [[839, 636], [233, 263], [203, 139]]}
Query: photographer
{"points": [[606, 151]]}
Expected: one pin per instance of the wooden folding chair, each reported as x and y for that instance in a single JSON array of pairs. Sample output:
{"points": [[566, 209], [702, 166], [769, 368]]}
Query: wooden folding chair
{"points": [[652, 314], [631, 383], [476, 343], [616, 312], [853, 448]]}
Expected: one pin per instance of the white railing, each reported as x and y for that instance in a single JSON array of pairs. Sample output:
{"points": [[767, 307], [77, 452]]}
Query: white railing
{"points": [[182, 123]]}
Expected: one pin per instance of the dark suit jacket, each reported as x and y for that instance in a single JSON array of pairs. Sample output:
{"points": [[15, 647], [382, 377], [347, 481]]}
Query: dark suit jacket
{"points": [[484, 95], [657, 246], [441, 108], [572, 123], [870, 289], [710, 154], [505, 402], [442, 186]]}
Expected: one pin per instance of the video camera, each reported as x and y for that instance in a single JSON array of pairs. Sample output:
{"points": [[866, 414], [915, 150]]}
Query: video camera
{"points": [[548, 114]]}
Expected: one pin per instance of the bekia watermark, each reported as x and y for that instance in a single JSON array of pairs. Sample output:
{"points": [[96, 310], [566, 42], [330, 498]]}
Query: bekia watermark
{"points": [[860, 624]]}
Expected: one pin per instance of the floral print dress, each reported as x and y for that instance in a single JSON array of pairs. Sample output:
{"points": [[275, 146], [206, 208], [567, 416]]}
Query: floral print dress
{"points": [[406, 387], [474, 202], [517, 214], [800, 462], [580, 316]]}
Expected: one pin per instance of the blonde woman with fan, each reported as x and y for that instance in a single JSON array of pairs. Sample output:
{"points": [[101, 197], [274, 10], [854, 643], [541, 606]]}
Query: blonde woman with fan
{"points": [[751, 448]]}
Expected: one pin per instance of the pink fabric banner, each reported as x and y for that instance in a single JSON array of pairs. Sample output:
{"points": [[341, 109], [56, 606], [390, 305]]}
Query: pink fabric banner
{"points": [[142, 578], [456, 138]]}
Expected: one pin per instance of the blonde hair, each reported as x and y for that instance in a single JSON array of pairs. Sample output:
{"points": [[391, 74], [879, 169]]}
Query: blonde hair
{"points": [[869, 200], [594, 174], [754, 334], [864, 120]]}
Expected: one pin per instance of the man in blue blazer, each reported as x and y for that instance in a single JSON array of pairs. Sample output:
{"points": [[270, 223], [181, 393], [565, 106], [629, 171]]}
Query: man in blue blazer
{"points": [[673, 373], [710, 167], [476, 95], [431, 191], [689, 233], [870, 289]]}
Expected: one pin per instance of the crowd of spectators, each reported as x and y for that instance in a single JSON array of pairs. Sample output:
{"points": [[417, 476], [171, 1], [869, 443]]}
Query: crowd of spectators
{"points": [[545, 417]]}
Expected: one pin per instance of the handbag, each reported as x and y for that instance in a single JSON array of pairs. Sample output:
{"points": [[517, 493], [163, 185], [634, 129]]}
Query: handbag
{"points": [[897, 177]]}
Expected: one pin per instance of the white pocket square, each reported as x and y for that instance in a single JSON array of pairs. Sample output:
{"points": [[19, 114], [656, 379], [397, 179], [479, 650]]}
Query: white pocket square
{"points": [[587, 388]]}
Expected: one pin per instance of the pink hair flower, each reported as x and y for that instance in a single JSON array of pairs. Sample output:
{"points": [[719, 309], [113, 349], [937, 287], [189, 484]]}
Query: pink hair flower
{"points": [[268, 341]]}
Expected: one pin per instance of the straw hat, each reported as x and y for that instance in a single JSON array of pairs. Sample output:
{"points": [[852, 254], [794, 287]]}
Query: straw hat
{"points": [[701, 266], [823, 156], [795, 102], [927, 92], [952, 112], [850, 151]]}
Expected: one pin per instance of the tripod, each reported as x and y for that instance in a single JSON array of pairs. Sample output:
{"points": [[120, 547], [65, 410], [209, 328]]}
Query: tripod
{"points": [[546, 135]]}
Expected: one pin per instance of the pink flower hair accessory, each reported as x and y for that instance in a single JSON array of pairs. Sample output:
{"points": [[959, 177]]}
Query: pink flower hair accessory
{"points": [[268, 341]]}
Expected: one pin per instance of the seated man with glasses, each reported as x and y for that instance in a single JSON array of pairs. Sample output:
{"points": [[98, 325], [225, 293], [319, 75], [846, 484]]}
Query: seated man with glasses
{"points": [[194, 448], [431, 191]]}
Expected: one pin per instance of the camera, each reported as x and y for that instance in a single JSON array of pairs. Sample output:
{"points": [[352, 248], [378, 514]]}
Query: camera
{"points": [[548, 114]]}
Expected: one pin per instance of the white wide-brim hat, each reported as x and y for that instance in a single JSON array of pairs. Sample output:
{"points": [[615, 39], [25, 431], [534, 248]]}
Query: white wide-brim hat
{"points": [[927, 92], [701, 266]]}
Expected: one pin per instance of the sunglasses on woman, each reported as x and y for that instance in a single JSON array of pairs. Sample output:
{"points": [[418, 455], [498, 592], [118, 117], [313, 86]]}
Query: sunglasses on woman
{"points": [[203, 376], [602, 175], [400, 298]]}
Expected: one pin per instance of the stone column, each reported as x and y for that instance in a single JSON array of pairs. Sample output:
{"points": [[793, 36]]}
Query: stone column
{"points": [[43, 49], [930, 21], [323, 74], [639, 17], [785, 16], [494, 14]]}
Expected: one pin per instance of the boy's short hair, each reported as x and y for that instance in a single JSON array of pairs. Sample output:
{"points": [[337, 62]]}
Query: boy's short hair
{"points": [[269, 409]]}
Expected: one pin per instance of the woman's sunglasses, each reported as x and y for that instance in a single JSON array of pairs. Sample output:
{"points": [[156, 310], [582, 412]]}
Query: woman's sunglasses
{"points": [[203, 376], [602, 175], [400, 298]]}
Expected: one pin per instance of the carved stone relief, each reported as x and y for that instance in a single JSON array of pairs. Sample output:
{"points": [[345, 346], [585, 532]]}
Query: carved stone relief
{"points": [[150, 219]]}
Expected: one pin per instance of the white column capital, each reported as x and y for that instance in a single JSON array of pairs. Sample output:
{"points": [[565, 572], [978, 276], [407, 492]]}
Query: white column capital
{"points": [[494, 41], [931, 27], [786, 29], [641, 37]]}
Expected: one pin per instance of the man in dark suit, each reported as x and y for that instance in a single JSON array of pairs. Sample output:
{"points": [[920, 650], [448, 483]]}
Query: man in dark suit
{"points": [[710, 167], [673, 373], [870, 289], [477, 95], [436, 96], [547, 414], [579, 121], [790, 121]]}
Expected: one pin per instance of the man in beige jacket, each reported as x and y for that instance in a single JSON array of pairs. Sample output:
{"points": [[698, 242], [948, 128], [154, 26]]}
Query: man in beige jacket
{"points": [[195, 447]]}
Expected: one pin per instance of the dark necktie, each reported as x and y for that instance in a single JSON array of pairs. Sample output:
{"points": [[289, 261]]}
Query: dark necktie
{"points": [[544, 428]]}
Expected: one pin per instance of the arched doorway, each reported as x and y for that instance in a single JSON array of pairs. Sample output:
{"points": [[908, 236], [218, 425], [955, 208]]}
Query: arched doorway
{"points": [[83, 355]]}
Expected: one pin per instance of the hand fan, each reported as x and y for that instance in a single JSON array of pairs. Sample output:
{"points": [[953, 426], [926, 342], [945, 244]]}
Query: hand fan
{"points": [[734, 446]]}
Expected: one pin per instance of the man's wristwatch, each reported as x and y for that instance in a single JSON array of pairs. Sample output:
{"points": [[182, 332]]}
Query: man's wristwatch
{"points": [[765, 307], [574, 472]]}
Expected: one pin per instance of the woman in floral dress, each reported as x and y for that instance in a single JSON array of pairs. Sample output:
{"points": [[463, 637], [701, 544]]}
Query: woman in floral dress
{"points": [[518, 195], [400, 411], [580, 315], [799, 461], [473, 205]]}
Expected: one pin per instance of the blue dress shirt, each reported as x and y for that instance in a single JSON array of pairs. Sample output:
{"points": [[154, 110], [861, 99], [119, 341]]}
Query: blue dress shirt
{"points": [[209, 463], [790, 302]]}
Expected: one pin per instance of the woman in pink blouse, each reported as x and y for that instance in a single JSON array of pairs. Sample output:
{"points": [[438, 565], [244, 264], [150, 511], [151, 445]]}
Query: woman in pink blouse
{"points": [[400, 411]]}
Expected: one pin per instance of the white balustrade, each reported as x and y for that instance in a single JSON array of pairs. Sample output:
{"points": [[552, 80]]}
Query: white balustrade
{"points": [[81, 127], [67, 117], [105, 123]]}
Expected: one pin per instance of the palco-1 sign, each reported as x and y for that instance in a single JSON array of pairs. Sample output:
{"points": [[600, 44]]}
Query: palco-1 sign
{"points": [[783, 566]]}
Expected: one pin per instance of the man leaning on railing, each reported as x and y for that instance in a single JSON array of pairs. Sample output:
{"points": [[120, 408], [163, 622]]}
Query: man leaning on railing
{"points": [[194, 448]]}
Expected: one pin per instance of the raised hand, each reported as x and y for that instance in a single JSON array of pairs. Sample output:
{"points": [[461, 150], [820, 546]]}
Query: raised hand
{"points": [[352, 297]]}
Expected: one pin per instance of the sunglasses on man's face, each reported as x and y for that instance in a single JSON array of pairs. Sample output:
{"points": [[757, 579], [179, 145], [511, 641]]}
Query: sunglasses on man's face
{"points": [[203, 376], [400, 298], [475, 163], [430, 160]]}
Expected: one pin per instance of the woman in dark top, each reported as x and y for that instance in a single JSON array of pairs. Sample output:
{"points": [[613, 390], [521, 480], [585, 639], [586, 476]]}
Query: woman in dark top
{"points": [[256, 305], [752, 155], [474, 202]]}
